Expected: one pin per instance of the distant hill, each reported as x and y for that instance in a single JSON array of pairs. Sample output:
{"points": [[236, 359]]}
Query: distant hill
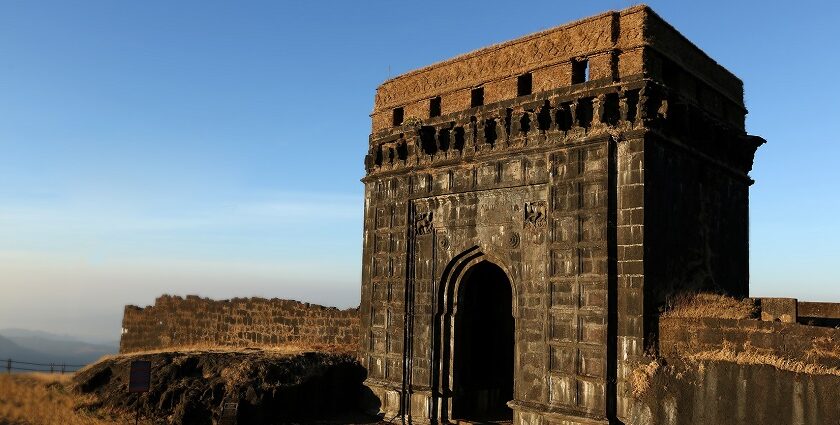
{"points": [[42, 347], [16, 332], [8, 349]]}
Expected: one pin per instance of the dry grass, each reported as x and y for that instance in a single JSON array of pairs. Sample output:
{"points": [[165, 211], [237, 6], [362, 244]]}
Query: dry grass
{"points": [[642, 376], [278, 350], [237, 373], [38, 398], [824, 348], [285, 349], [704, 305], [751, 356]]}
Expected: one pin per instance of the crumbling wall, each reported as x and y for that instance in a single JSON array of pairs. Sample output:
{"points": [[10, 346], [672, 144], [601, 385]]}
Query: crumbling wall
{"points": [[241, 322], [751, 341], [728, 393], [739, 371]]}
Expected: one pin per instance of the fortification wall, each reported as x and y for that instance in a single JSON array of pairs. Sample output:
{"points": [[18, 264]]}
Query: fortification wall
{"points": [[728, 393], [241, 322], [741, 371], [750, 340]]}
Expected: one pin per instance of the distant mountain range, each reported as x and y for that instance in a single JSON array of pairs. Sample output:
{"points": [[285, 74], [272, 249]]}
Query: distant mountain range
{"points": [[43, 347]]}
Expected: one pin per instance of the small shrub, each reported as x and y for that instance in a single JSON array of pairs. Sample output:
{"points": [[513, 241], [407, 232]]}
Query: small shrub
{"points": [[715, 306], [413, 122], [642, 376]]}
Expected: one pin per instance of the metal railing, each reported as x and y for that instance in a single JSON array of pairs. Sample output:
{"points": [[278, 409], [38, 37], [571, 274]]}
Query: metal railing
{"points": [[41, 367]]}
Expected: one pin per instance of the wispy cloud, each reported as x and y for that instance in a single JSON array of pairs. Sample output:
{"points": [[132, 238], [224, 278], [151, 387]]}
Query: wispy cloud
{"points": [[306, 207], [281, 209]]}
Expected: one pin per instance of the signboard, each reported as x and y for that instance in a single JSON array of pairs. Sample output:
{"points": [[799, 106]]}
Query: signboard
{"points": [[140, 376], [229, 414]]}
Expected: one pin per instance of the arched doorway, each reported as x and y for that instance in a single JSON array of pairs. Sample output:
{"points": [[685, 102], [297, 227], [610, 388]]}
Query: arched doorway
{"points": [[483, 345]]}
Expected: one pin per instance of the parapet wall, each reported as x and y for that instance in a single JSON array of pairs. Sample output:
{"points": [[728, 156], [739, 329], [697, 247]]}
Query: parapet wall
{"points": [[241, 322], [616, 45], [730, 393], [750, 338]]}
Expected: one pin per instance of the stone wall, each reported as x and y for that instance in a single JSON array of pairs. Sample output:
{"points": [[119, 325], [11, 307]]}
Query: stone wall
{"points": [[728, 393], [241, 322], [747, 371], [793, 342], [700, 241], [630, 42]]}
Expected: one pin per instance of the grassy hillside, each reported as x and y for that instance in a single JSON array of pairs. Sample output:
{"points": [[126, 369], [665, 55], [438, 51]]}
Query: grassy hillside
{"points": [[45, 399]]}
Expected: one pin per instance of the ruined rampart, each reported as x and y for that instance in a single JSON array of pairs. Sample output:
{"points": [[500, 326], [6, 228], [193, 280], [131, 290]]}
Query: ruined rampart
{"points": [[174, 322], [751, 341], [771, 368]]}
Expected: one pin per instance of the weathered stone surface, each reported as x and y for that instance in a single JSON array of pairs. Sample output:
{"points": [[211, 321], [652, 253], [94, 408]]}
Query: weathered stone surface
{"points": [[728, 393], [593, 169], [810, 345], [632, 41], [818, 310], [781, 309], [174, 322]]}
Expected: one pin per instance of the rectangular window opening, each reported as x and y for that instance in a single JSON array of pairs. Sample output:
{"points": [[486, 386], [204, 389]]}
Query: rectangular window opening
{"points": [[524, 84], [580, 71], [477, 97], [398, 116], [434, 107]]}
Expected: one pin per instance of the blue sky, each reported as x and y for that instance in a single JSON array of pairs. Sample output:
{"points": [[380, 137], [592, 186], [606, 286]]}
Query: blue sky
{"points": [[216, 147]]}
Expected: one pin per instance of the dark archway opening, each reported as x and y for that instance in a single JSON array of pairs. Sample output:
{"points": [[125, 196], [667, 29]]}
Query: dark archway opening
{"points": [[483, 346]]}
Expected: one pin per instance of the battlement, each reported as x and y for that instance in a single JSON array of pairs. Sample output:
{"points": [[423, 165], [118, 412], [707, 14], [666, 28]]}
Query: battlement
{"points": [[616, 46], [575, 114]]}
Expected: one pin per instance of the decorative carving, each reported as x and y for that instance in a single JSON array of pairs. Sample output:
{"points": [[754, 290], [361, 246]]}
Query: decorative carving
{"points": [[535, 215], [443, 242], [599, 107], [554, 46], [503, 125], [642, 105], [513, 240], [509, 128], [423, 223], [662, 112], [623, 107]]}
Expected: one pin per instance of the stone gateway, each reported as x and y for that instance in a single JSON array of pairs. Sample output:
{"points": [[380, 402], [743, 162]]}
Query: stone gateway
{"points": [[528, 208]]}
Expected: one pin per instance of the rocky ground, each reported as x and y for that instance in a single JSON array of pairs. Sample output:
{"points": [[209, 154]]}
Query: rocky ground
{"points": [[268, 387]]}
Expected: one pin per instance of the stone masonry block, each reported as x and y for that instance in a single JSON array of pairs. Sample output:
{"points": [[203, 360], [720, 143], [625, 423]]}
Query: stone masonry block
{"points": [[601, 66], [553, 76], [779, 309]]}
